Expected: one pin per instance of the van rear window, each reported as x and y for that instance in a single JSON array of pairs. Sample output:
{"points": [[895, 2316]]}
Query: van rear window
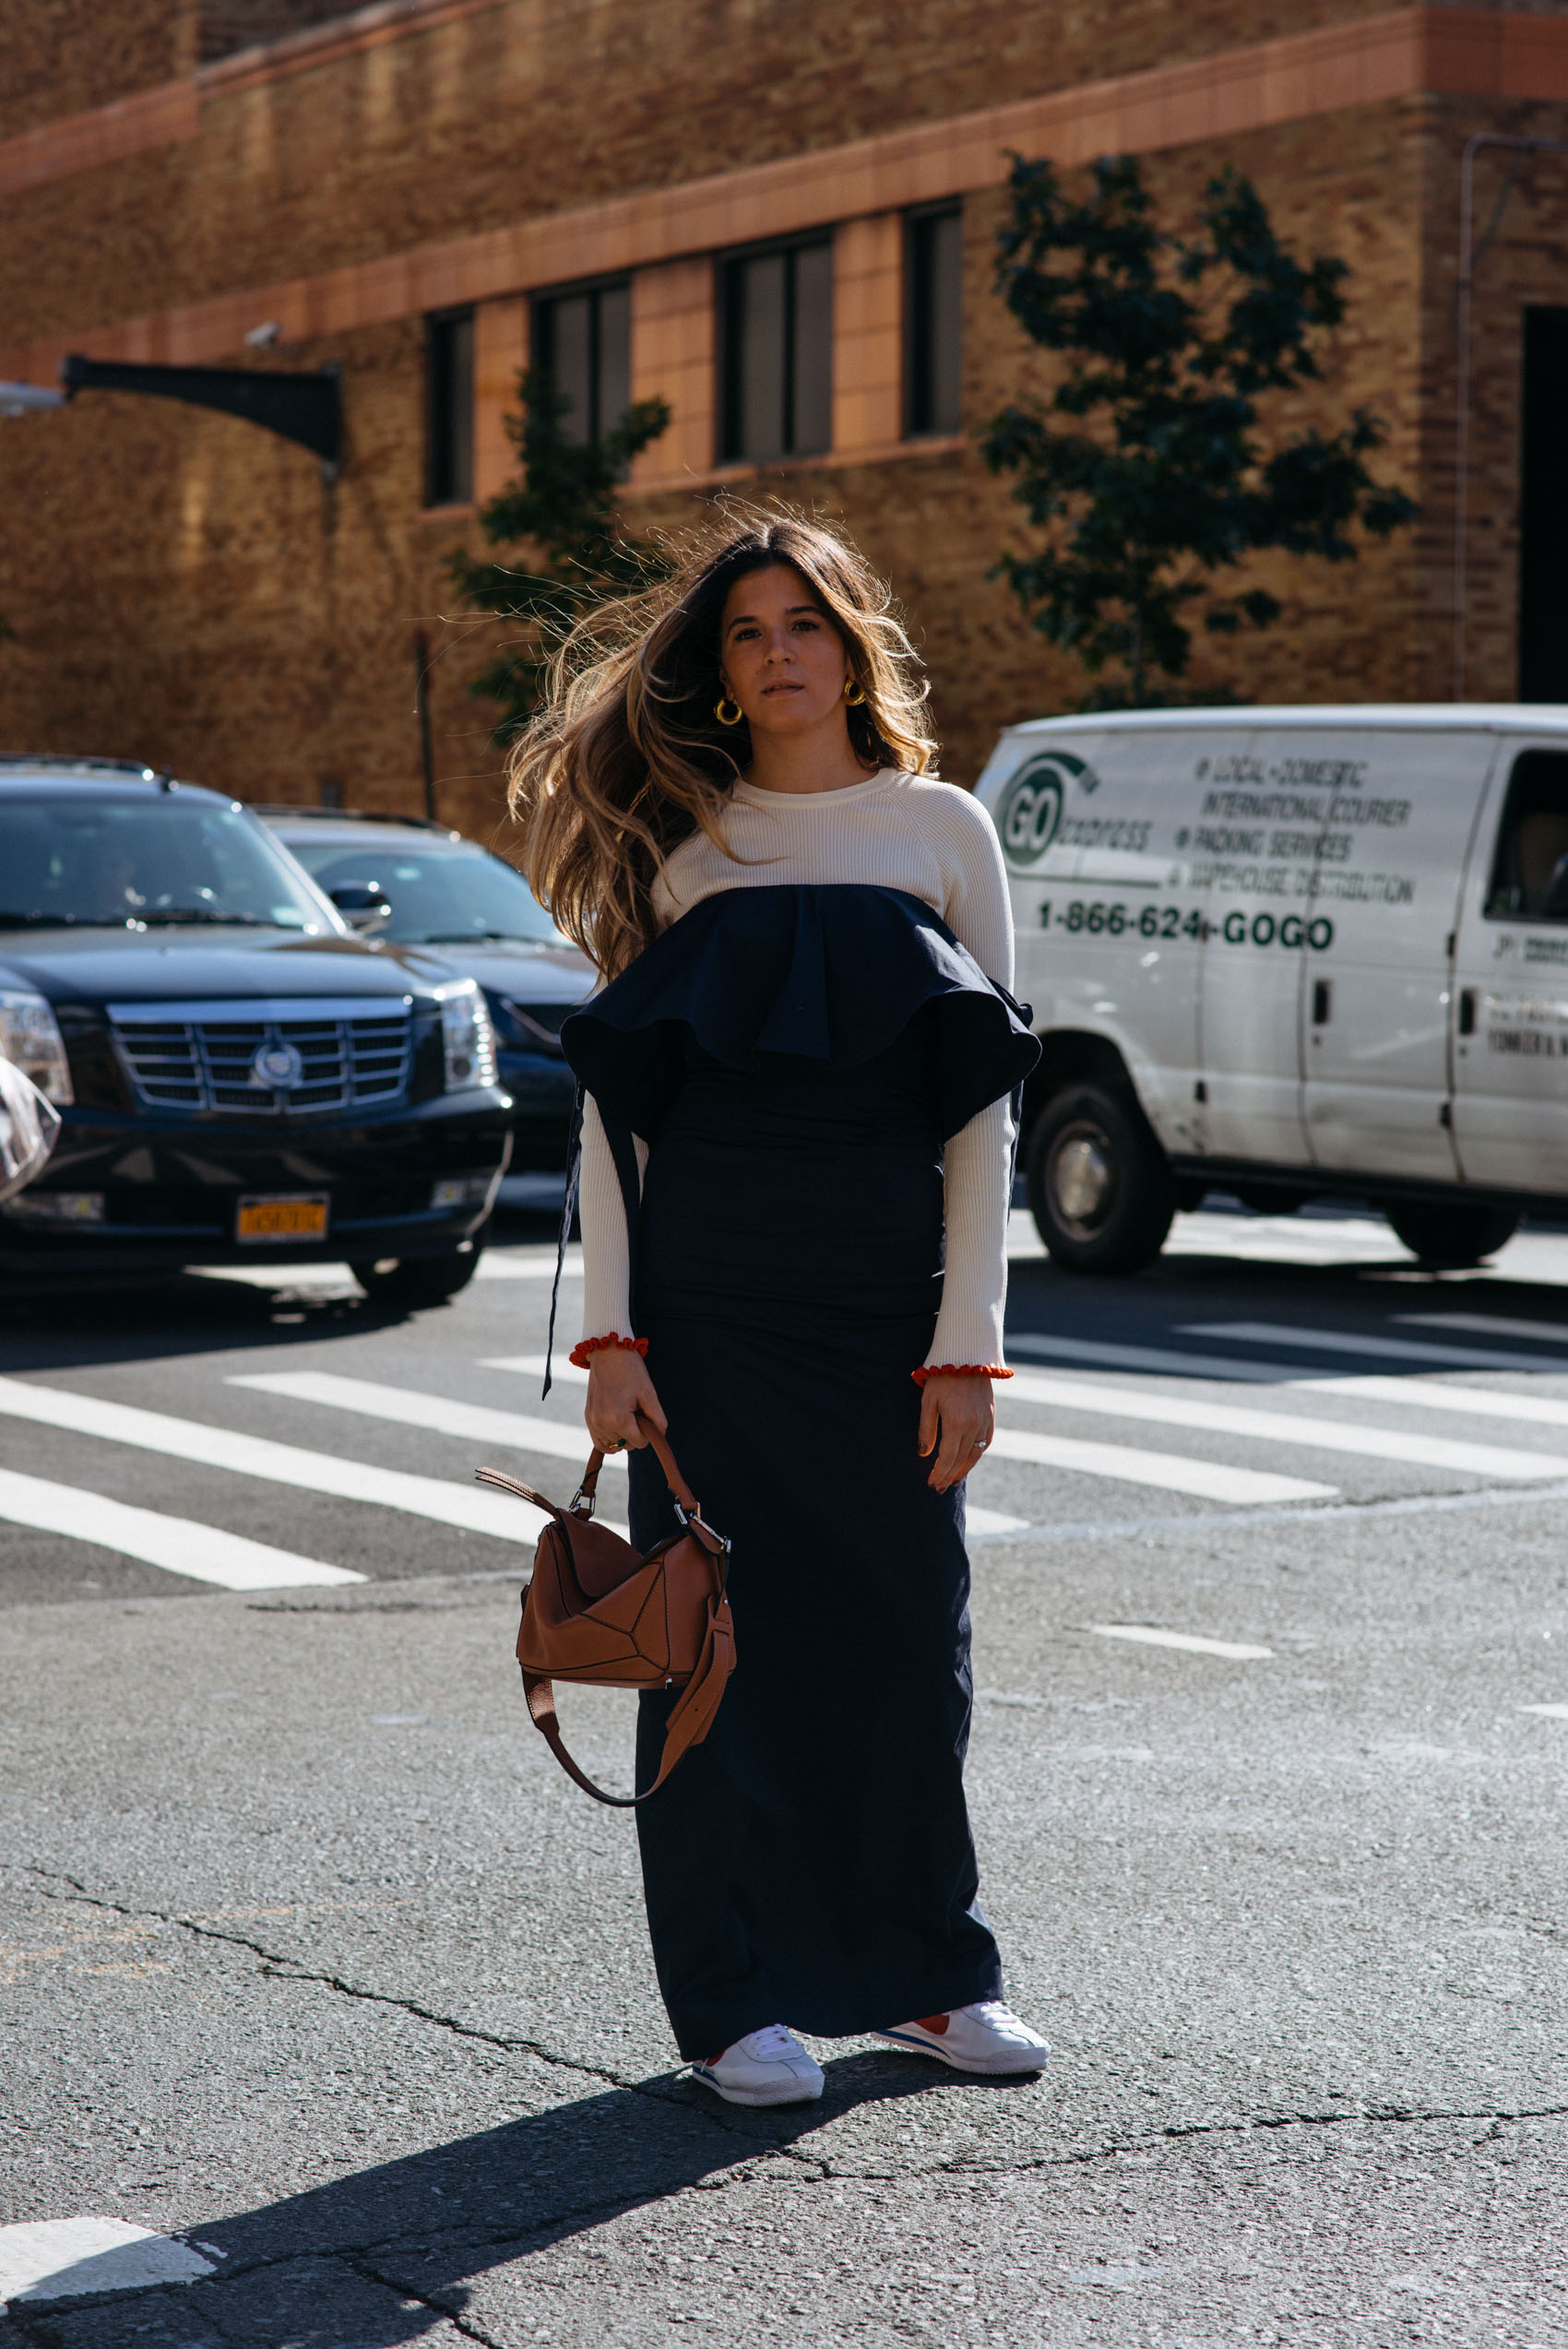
{"points": [[1530, 870]]}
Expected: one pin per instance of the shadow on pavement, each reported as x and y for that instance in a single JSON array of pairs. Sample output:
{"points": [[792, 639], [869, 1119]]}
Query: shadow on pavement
{"points": [[385, 2255]]}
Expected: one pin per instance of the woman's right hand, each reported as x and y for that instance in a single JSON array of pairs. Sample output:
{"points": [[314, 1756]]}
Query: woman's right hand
{"points": [[619, 1387]]}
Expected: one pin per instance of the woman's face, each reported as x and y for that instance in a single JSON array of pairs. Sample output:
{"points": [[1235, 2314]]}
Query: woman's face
{"points": [[781, 656]]}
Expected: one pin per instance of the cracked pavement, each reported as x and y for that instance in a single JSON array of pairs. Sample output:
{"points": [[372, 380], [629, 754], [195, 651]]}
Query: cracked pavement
{"points": [[310, 1955]]}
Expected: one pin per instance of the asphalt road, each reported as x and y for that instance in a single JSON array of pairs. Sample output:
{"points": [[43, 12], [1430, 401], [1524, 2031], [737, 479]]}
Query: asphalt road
{"points": [[316, 1970]]}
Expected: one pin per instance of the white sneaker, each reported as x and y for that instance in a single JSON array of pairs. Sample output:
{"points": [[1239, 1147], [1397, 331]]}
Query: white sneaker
{"points": [[988, 2037], [767, 2067]]}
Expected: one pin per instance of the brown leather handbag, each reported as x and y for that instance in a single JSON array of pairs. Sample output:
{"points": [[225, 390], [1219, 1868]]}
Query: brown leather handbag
{"points": [[600, 1612]]}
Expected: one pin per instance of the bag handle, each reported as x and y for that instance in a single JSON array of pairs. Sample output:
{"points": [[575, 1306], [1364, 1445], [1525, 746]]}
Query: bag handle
{"points": [[690, 1719], [687, 1507]]}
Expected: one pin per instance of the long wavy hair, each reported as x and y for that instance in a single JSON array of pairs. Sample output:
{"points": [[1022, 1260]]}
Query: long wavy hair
{"points": [[626, 759]]}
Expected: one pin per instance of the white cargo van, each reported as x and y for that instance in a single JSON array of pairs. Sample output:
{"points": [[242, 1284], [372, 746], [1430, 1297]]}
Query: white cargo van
{"points": [[1290, 953]]}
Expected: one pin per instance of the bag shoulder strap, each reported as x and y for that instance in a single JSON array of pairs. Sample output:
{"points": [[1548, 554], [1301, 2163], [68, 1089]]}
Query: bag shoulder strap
{"points": [[690, 1719]]}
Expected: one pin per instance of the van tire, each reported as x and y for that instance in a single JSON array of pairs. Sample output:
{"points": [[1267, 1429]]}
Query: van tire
{"points": [[1452, 1236], [1100, 1188]]}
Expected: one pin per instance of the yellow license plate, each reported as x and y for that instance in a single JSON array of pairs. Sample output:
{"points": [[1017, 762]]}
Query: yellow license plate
{"points": [[299, 1218]]}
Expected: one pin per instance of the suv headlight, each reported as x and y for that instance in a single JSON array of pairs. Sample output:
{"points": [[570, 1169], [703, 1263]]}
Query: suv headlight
{"points": [[31, 1039], [467, 1035]]}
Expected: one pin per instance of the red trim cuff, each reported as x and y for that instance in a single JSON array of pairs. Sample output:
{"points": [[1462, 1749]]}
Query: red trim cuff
{"points": [[579, 1354], [958, 1370]]}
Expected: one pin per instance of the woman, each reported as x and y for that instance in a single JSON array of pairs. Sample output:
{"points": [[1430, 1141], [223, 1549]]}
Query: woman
{"points": [[798, 1073]]}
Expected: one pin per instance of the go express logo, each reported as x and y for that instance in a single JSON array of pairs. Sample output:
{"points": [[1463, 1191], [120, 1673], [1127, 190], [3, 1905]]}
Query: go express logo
{"points": [[1030, 809]]}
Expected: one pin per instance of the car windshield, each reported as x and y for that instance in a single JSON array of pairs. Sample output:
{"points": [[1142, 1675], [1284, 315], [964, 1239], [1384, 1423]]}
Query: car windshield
{"points": [[443, 893], [69, 858]]}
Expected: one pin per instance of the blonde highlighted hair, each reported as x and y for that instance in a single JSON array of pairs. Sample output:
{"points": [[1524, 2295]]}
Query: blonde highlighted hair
{"points": [[627, 758]]}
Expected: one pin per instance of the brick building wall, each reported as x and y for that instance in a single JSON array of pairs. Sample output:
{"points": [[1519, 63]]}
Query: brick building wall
{"points": [[185, 588]]}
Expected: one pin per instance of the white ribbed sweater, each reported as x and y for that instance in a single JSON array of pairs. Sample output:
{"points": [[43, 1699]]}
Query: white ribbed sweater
{"points": [[894, 831]]}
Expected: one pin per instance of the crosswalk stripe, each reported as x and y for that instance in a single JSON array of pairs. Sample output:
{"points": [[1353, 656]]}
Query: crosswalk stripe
{"points": [[499, 1263], [1490, 1325], [532, 1366], [1126, 1465], [1100, 1354], [474, 1509], [177, 1544], [1147, 1635], [1470, 1402], [1398, 1349], [1285, 1427], [438, 1414]]}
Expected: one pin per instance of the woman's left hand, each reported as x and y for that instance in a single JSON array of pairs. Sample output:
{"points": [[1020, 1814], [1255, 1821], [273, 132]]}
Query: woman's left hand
{"points": [[963, 1412]]}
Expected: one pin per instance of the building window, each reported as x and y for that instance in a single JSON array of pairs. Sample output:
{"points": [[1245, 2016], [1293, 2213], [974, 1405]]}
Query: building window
{"points": [[449, 408], [1543, 510], [776, 341], [582, 344], [933, 309]]}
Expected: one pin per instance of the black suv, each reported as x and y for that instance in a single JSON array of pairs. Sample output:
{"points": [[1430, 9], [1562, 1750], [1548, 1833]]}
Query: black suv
{"points": [[417, 883], [239, 1075]]}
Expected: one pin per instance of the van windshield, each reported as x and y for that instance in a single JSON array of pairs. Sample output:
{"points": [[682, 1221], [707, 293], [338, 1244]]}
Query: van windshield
{"points": [[1529, 873], [73, 859]]}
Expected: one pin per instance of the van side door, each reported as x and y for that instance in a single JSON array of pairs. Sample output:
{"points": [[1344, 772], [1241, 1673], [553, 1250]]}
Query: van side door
{"points": [[1510, 978], [1400, 808]]}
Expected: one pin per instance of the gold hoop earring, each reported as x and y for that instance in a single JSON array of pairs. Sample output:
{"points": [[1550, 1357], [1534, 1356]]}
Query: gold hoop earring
{"points": [[854, 692], [727, 713]]}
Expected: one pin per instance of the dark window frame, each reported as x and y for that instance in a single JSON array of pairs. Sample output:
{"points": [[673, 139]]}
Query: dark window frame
{"points": [[1537, 786], [541, 315], [923, 415], [1543, 504], [449, 407], [729, 322]]}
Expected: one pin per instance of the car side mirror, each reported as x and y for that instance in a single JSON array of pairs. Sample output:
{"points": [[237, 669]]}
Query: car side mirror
{"points": [[1554, 906], [364, 904]]}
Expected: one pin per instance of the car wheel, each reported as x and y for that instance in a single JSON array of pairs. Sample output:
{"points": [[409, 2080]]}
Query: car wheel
{"points": [[412, 1281], [1452, 1236], [1100, 1187]]}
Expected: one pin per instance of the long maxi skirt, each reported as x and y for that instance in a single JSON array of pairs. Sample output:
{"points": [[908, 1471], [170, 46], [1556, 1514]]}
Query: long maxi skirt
{"points": [[812, 1862]]}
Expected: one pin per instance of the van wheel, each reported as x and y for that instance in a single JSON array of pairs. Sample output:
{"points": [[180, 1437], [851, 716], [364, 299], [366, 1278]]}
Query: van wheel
{"points": [[413, 1281], [1452, 1236], [1100, 1187]]}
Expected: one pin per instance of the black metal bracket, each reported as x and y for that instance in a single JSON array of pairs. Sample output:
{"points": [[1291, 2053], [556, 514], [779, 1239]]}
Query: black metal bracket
{"points": [[306, 408]]}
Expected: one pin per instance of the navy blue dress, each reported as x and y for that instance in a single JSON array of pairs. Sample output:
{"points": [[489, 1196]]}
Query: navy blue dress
{"points": [[795, 1058]]}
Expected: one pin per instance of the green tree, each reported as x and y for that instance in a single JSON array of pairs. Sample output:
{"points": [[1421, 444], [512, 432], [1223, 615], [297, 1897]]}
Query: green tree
{"points": [[561, 509], [1171, 342]]}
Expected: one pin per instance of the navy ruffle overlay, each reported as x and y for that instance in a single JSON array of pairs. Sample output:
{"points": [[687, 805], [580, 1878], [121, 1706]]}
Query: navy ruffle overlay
{"points": [[831, 974]]}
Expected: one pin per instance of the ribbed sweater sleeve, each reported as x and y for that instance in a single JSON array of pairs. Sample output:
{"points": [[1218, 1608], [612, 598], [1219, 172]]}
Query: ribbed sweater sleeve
{"points": [[607, 1256], [977, 1163]]}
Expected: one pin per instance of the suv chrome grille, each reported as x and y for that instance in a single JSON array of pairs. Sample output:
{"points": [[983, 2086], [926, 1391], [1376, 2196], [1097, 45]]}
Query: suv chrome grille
{"points": [[266, 1059]]}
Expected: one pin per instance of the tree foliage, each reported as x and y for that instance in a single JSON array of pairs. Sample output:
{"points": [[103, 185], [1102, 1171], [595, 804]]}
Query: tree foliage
{"points": [[560, 510], [1147, 467]]}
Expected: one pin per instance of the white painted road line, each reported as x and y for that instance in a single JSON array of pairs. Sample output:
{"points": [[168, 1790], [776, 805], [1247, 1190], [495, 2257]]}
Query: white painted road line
{"points": [[1398, 1349], [1145, 1635], [1552, 1711], [1283, 1427], [1470, 1402], [58, 2258], [473, 1508], [504, 1263], [438, 1414], [1124, 1465], [1490, 1325], [177, 1544], [532, 1366], [1099, 1354]]}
